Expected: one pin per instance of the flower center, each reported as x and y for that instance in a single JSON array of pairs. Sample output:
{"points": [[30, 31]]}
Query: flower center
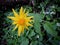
{"points": [[21, 21]]}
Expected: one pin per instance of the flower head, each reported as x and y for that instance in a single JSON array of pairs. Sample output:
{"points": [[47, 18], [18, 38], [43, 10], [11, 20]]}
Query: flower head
{"points": [[21, 20]]}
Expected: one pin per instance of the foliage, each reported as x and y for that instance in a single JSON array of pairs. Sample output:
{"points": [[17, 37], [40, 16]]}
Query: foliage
{"points": [[45, 30]]}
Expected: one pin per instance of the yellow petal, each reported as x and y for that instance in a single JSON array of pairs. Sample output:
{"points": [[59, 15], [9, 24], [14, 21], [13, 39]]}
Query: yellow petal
{"points": [[28, 24], [31, 21], [21, 11], [28, 20], [27, 28], [24, 10], [19, 30], [14, 23], [13, 18], [30, 17], [23, 29], [26, 14], [15, 27], [15, 14]]}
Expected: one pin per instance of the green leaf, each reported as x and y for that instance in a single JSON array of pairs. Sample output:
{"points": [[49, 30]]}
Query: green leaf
{"points": [[58, 9], [41, 15], [48, 17], [38, 17], [49, 28], [40, 43], [34, 43], [37, 25], [32, 33], [25, 42], [37, 28]]}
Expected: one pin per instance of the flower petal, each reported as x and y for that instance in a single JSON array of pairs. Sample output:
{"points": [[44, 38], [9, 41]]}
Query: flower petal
{"points": [[13, 18], [27, 28], [30, 17], [28, 24], [14, 23], [19, 30], [15, 14], [23, 29], [26, 14], [21, 11], [15, 27]]}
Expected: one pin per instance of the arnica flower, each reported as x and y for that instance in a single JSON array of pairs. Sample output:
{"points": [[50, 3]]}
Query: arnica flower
{"points": [[21, 20]]}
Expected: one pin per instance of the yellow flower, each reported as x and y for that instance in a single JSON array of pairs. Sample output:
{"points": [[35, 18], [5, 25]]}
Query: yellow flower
{"points": [[21, 20]]}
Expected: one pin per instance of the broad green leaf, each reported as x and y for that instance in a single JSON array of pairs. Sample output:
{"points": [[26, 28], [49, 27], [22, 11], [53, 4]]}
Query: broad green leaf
{"points": [[58, 9], [34, 43], [54, 24], [49, 28], [25, 42], [38, 17], [32, 33], [37, 25], [41, 15], [40, 43], [48, 17], [37, 28]]}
